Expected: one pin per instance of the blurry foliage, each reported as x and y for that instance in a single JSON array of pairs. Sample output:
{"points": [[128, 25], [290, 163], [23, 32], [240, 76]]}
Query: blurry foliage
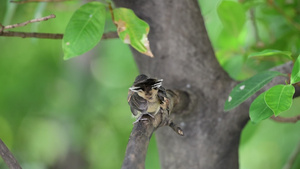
{"points": [[50, 108], [267, 26]]}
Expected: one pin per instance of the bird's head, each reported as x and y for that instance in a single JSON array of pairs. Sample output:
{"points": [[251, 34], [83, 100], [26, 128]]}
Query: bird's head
{"points": [[146, 88]]}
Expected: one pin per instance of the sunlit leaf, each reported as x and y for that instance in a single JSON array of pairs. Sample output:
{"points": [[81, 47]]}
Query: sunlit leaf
{"points": [[295, 76], [232, 16], [259, 110], [247, 88], [132, 30], [84, 29], [271, 52], [279, 98]]}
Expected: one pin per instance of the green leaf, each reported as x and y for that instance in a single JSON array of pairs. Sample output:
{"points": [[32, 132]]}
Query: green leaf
{"points": [[232, 16], [132, 30], [259, 110], [84, 29], [295, 76], [279, 98], [247, 88], [272, 52]]}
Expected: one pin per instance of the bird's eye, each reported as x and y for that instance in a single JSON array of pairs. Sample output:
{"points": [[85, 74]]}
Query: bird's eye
{"points": [[155, 88]]}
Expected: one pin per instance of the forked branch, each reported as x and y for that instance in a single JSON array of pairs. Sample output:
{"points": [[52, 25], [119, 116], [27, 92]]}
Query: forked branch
{"points": [[142, 131], [108, 35]]}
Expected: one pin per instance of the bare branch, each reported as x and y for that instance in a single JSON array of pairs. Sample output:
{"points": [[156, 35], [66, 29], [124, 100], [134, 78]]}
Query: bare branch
{"points": [[30, 21], [111, 12], [7, 157], [32, 35], [108, 35], [286, 119], [27, 1], [292, 158]]}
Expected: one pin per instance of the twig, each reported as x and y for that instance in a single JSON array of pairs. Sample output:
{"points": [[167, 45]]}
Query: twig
{"points": [[108, 35], [292, 158], [30, 21], [32, 35], [7, 157], [112, 13], [286, 119], [27, 1], [175, 127]]}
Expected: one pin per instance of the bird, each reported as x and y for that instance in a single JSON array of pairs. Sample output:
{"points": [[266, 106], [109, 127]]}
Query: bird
{"points": [[147, 97]]}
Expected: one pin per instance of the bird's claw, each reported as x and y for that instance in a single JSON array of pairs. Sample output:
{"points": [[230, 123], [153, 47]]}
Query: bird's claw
{"points": [[143, 119]]}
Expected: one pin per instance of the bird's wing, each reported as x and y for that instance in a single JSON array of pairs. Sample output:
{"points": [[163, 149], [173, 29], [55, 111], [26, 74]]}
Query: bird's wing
{"points": [[137, 103], [162, 94]]}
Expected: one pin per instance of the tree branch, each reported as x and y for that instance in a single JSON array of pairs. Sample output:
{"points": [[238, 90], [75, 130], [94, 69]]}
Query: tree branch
{"points": [[142, 131], [27, 1], [28, 22], [286, 119], [138, 144], [7, 157], [31, 35], [108, 35]]}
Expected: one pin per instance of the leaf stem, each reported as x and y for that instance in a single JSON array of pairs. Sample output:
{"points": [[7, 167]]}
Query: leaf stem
{"points": [[280, 119], [111, 12]]}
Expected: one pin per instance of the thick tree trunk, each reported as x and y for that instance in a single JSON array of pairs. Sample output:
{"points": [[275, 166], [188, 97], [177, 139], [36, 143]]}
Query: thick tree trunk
{"points": [[184, 58]]}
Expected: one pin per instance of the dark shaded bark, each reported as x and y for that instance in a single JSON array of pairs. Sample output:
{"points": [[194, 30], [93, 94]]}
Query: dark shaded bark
{"points": [[135, 152], [184, 58]]}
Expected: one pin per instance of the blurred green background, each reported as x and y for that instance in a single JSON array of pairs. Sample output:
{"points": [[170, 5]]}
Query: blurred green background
{"points": [[54, 113]]}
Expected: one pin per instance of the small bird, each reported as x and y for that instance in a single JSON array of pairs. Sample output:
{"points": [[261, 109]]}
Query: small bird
{"points": [[147, 97]]}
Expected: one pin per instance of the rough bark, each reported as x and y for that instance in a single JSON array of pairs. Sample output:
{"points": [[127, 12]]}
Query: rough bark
{"points": [[184, 58]]}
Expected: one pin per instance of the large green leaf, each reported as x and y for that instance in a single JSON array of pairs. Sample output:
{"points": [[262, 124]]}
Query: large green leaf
{"points": [[259, 110], [279, 98], [232, 16], [132, 30], [84, 29], [272, 52], [295, 77], [247, 88]]}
